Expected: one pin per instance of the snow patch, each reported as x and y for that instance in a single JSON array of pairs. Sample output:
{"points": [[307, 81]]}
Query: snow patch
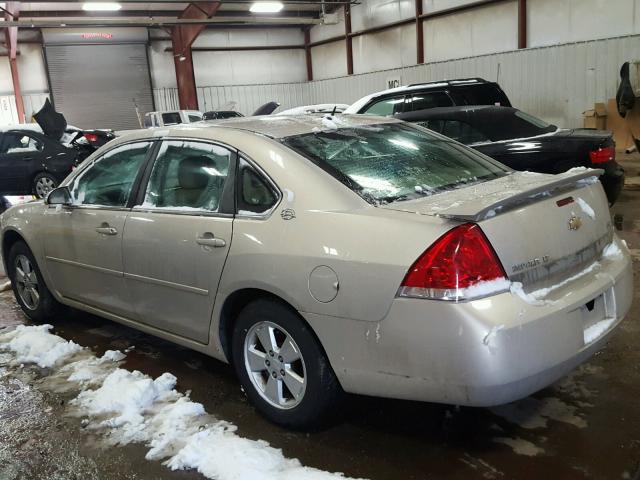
{"points": [[132, 407], [595, 331], [520, 446], [586, 208], [486, 288], [34, 344], [612, 251]]}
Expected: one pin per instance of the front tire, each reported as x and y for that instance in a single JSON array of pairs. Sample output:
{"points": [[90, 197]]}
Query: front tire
{"points": [[282, 367], [43, 183], [29, 288]]}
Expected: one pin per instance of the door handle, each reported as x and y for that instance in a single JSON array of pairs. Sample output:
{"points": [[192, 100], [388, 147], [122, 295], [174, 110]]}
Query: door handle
{"points": [[105, 229], [209, 240]]}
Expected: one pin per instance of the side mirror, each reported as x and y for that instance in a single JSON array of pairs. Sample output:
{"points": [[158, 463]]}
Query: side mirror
{"points": [[58, 196]]}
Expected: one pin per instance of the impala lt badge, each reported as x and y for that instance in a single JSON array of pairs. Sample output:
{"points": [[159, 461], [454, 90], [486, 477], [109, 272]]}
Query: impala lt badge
{"points": [[575, 222]]}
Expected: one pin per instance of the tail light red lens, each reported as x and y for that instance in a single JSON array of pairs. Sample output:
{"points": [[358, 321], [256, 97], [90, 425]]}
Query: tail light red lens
{"points": [[91, 137], [460, 259], [602, 155]]}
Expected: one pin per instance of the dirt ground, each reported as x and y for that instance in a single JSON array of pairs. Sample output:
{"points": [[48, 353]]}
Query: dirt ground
{"points": [[585, 426]]}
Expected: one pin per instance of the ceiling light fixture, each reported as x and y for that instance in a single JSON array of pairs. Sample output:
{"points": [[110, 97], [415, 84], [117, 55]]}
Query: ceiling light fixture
{"points": [[266, 7], [101, 6]]}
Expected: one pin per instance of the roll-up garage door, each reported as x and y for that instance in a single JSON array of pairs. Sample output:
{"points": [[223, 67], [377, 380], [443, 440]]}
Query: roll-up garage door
{"points": [[100, 86]]}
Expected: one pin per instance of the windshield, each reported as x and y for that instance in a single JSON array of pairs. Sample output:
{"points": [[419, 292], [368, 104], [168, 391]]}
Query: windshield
{"points": [[391, 162]]}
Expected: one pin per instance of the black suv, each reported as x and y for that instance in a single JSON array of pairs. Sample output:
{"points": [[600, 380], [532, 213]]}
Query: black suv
{"points": [[464, 91]]}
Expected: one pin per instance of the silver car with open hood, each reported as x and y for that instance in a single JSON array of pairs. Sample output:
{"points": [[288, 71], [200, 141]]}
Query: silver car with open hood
{"points": [[331, 254]]}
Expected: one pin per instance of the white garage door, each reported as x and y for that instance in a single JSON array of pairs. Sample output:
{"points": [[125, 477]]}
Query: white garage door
{"points": [[100, 86]]}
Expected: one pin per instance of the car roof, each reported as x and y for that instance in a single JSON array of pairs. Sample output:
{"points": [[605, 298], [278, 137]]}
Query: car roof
{"points": [[417, 86], [464, 112], [280, 126]]}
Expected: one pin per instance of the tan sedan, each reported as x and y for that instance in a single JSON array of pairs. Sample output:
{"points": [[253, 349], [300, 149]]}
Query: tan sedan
{"points": [[323, 255]]}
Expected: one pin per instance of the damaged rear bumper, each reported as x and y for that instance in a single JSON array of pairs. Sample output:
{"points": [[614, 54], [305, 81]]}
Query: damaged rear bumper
{"points": [[480, 353]]}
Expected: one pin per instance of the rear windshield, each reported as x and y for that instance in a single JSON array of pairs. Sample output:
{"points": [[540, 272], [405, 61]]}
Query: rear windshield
{"points": [[512, 124], [393, 162]]}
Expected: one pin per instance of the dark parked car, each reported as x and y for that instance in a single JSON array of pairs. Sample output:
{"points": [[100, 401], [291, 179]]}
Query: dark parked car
{"points": [[524, 142], [419, 96], [221, 114], [33, 163]]}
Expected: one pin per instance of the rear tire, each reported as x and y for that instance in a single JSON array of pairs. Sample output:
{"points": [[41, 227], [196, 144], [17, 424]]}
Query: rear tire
{"points": [[43, 183], [28, 286], [289, 380]]}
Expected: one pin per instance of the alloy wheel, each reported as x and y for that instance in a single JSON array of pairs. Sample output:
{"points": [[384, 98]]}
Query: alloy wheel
{"points": [[275, 365], [44, 185], [26, 282]]}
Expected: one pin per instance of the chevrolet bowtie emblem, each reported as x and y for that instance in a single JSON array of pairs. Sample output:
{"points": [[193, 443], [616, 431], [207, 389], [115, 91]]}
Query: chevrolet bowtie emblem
{"points": [[575, 222]]}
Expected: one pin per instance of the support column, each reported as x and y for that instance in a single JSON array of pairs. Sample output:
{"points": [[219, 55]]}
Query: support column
{"points": [[348, 38], [11, 39], [522, 23], [307, 51], [419, 33], [182, 37]]}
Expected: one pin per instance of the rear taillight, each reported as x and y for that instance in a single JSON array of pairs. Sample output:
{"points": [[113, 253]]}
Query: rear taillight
{"points": [[602, 155], [91, 137], [460, 265]]}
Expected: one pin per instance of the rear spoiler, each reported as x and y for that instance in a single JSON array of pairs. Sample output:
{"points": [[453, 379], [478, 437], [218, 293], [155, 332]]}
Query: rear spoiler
{"points": [[494, 200]]}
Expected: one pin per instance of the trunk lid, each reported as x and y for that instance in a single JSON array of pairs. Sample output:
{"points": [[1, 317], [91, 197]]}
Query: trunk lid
{"points": [[544, 228]]}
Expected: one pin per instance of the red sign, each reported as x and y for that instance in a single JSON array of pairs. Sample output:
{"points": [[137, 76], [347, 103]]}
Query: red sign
{"points": [[93, 36]]}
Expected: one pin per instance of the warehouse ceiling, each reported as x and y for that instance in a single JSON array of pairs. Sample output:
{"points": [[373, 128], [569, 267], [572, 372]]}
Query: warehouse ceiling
{"points": [[134, 13]]}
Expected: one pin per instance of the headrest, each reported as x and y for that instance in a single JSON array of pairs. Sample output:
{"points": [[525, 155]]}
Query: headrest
{"points": [[192, 173]]}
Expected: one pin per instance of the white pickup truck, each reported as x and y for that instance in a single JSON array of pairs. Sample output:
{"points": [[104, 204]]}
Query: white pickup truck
{"points": [[171, 117]]}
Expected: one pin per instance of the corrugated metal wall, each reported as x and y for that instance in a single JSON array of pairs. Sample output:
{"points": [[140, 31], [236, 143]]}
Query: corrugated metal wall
{"points": [[8, 112], [556, 83]]}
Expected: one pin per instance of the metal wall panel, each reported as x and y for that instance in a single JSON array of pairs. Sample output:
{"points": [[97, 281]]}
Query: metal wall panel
{"points": [[9, 113], [556, 83]]}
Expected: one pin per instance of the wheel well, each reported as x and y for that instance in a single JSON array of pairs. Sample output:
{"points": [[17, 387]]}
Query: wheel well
{"points": [[9, 239], [232, 307]]}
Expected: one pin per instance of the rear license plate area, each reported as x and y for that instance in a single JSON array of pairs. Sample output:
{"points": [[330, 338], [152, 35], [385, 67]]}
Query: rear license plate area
{"points": [[598, 314]]}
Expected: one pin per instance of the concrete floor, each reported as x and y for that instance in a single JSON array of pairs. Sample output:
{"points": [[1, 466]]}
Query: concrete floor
{"points": [[585, 426]]}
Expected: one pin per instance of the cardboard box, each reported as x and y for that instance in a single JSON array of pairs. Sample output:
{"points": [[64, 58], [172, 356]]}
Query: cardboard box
{"points": [[624, 129], [596, 118]]}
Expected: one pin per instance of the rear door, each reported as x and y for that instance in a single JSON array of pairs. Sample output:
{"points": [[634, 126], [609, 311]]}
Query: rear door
{"points": [[177, 238]]}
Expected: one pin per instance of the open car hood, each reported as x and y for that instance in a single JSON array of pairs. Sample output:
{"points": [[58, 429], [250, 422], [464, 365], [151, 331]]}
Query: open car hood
{"points": [[53, 124], [266, 109]]}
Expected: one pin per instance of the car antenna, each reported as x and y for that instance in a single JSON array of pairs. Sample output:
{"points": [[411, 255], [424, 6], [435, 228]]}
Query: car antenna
{"points": [[333, 112]]}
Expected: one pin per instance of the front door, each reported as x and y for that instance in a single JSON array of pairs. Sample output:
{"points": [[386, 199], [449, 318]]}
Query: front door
{"points": [[83, 243], [177, 240], [20, 155]]}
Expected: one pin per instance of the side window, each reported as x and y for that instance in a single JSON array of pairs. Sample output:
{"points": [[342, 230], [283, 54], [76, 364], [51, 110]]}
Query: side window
{"points": [[171, 118], [462, 132], [255, 195], [426, 100], [386, 107], [109, 179], [18, 142], [435, 125], [188, 176], [194, 118]]}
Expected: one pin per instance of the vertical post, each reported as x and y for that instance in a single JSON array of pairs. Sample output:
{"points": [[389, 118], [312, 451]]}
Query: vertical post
{"points": [[522, 23], [185, 77], [307, 51], [348, 38], [182, 37], [419, 33], [16, 89], [12, 11]]}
